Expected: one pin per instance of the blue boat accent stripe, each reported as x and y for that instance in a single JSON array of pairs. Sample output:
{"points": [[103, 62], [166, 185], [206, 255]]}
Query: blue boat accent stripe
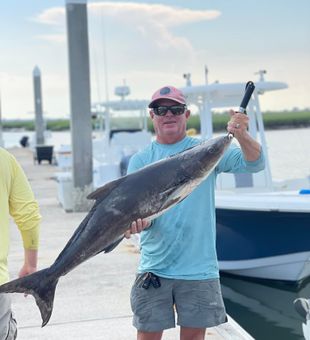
{"points": [[246, 235]]}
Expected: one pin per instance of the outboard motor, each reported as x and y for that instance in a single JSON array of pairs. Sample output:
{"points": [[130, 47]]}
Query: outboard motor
{"points": [[24, 142], [124, 164], [302, 306]]}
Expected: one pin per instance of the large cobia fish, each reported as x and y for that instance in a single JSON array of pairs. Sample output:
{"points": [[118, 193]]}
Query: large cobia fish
{"points": [[146, 193]]}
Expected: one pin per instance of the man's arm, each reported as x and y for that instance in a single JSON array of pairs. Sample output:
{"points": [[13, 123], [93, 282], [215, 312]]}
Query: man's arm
{"points": [[30, 262], [25, 211], [238, 126]]}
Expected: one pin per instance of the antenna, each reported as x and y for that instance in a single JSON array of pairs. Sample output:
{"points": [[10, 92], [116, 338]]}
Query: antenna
{"points": [[187, 76], [122, 91], [206, 75], [261, 74]]}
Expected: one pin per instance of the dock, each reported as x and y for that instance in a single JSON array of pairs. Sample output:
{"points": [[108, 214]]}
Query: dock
{"points": [[93, 301]]}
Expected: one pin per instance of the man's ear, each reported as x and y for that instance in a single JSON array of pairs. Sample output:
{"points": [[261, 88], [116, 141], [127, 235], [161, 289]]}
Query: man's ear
{"points": [[151, 114], [187, 114]]}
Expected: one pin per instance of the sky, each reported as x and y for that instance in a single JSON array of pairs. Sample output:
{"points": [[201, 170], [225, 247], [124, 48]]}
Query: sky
{"points": [[149, 44]]}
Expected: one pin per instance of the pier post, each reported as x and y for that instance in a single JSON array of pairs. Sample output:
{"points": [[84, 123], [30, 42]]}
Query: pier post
{"points": [[39, 122], [79, 79]]}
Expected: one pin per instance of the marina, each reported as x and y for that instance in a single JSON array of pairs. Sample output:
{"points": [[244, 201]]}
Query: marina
{"points": [[262, 219], [261, 307]]}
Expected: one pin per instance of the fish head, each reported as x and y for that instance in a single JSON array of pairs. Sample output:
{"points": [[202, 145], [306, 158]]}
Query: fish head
{"points": [[189, 168], [208, 154]]}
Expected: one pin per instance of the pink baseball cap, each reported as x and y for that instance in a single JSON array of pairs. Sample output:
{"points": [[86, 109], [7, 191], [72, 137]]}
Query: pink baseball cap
{"points": [[168, 92]]}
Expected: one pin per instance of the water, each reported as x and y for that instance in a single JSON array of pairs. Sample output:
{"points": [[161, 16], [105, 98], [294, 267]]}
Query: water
{"points": [[11, 139], [264, 309], [289, 151]]}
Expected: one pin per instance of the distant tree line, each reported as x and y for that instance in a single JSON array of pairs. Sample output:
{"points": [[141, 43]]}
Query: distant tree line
{"points": [[272, 120]]}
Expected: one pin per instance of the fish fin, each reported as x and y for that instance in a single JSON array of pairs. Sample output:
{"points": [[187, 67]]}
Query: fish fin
{"points": [[113, 245], [173, 195], [39, 284], [104, 191]]}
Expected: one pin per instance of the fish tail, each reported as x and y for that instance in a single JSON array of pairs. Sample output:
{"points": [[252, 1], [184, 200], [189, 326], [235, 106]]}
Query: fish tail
{"points": [[41, 285]]}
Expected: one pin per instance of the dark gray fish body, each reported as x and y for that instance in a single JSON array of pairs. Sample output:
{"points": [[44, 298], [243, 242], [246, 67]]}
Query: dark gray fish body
{"points": [[146, 193]]}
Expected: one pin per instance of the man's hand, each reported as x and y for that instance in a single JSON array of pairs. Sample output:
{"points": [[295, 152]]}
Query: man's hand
{"points": [[137, 227], [238, 126], [238, 123], [30, 264], [26, 270]]}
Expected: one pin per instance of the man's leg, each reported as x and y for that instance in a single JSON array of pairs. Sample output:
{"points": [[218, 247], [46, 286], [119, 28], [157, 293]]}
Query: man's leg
{"points": [[152, 308], [186, 334], [149, 335], [199, 305], [192, 333], [8, 328]]}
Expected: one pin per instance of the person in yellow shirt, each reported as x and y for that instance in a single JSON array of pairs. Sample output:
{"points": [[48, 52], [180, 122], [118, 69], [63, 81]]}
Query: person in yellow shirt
{"points": [[16, 200]]}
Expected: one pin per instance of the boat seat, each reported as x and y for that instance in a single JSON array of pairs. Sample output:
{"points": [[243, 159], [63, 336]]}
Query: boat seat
{"points": [[242, 180], [130, 142]]}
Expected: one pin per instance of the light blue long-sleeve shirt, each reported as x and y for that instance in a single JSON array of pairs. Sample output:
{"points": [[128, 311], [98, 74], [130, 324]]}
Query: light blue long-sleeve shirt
{"points": [[181, 243]]}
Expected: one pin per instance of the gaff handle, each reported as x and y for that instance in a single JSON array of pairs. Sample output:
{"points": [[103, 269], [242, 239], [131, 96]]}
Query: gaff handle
{"points": [[249, 88]]}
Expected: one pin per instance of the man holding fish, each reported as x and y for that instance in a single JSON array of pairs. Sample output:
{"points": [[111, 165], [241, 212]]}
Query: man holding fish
{"points": [[178, 266], [170, 183]]}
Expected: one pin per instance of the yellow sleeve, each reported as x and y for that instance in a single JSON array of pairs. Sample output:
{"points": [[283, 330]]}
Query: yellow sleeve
{"points": [[24, 208]]}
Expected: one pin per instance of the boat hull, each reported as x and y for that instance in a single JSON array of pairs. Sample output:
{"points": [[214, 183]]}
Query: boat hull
{"points": [[291, 267], [264, 244]]}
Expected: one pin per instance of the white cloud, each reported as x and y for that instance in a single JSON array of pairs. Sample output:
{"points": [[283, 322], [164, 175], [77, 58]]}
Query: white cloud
{"points": [[51, 16], [141, 42], [154, 14], [151, 21]]}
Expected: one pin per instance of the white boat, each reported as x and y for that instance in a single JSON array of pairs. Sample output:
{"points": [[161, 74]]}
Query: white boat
{"points": [[263, 231], [264, 234], [111, 147]]}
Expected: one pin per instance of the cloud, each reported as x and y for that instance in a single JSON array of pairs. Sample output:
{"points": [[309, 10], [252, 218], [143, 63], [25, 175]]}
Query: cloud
{"points": [[52, 16], [152, 21], [154, 14], [142, 41], [132, 12]]}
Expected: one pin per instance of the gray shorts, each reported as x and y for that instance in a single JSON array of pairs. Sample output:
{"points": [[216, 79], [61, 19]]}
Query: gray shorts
{"points": [[197, 303], [8, 327]]}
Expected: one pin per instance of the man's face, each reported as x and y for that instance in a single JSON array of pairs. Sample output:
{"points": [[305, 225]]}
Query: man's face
{"points": [[169, 128]]}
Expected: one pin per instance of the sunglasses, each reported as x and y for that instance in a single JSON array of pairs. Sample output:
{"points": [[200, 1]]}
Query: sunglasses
{"points": [[176, 110]]}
